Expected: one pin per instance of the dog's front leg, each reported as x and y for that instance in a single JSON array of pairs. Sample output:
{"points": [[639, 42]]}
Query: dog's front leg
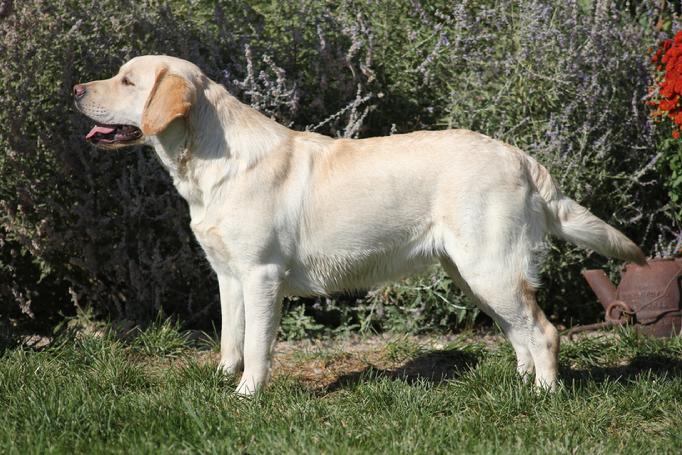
{"points": [[232, 330], [262, 308]]}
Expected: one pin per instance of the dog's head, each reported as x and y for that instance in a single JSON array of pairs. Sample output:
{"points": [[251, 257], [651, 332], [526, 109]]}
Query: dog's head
{"points": [[148, 94]]}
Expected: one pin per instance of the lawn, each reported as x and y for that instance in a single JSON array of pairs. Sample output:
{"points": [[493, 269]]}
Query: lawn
{"points": [[157, 391]]}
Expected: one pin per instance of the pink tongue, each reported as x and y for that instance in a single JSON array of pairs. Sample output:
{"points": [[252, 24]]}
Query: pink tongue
{"points": [[99, 129]]}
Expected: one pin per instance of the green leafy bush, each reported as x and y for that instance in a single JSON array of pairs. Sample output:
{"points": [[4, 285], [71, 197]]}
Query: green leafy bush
{"points": [[81, 227], [84, 228]]}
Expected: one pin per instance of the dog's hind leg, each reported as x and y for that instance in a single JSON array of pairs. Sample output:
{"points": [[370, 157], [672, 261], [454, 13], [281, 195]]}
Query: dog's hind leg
{"points": [[524, 359], [490, 257], [509, 299]]}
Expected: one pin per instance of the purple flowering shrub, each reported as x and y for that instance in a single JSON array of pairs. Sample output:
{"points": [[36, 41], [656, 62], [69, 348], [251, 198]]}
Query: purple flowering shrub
{"points": [[84, 228], [566, 84]]}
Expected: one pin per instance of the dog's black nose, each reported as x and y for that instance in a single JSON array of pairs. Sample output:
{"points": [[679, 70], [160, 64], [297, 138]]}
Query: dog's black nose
{"points": [[78, 91]]}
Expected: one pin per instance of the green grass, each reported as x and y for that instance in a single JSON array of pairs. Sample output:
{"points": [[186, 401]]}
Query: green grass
{"points": [[93, 393]]}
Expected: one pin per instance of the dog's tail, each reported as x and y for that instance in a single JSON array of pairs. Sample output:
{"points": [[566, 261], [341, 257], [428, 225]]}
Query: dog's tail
{"points": [[573, 222]]}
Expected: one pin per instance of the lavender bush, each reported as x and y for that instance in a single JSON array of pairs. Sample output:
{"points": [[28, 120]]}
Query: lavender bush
{"points": [[80, 227], [83, 228], [566, 83]]}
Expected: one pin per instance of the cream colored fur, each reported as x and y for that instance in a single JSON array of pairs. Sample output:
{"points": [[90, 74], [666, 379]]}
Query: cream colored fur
{"points": [[280, 212]]}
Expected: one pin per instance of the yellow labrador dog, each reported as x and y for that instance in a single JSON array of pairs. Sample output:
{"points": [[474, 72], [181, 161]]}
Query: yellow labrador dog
{"points": [[281, 212]]}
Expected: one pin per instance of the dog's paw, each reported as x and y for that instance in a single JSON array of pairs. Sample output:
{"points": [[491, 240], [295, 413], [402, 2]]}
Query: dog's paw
{"points": [[542, 387], [229, 367], [245, 390], [251, 384]]}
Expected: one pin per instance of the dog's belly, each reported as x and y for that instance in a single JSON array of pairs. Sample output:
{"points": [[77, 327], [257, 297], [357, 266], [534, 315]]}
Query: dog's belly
{"points": [[358, 270]]}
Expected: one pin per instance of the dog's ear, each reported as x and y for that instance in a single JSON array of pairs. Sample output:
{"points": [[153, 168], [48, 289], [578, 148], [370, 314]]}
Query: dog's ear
{"points": [[171, 97]]}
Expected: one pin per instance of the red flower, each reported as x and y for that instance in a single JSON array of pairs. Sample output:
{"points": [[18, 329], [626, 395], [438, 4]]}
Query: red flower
{"points": [[667, 105], [665, 96]]}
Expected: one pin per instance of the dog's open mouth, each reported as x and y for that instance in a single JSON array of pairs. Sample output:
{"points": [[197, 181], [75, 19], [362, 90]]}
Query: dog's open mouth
{"points": [[113, 134]]}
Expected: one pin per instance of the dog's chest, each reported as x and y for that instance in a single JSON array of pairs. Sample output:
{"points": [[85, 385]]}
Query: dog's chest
{"points": [[216, 249]]}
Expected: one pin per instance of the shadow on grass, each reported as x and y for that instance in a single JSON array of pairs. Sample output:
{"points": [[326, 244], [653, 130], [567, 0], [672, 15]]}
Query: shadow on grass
{"points": [[9, 339], [656, 365], [432, 367], [438, 366], [7, 344]]}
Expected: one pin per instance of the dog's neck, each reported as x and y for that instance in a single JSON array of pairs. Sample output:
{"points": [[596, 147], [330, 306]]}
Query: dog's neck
{"points": [[247, 135], [221, 134], [173, 148]]}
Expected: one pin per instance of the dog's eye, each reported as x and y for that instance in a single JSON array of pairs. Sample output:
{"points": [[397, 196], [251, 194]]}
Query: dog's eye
{"points": [[126, 81]]}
